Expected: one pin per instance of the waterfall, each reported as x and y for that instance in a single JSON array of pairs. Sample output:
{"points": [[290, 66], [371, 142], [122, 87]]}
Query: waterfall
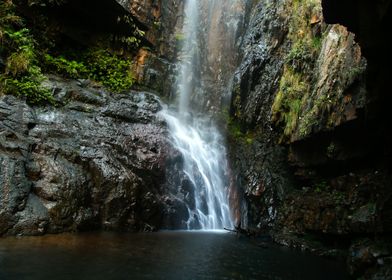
{"points": [[190, 51], [193, 131]]}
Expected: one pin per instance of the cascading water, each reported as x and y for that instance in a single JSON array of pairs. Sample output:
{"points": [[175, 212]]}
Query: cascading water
{"points": [[193, 131], [205, 165]]}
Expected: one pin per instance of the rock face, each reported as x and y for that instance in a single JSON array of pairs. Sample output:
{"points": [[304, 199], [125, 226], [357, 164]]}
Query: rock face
{"points": [[84, 23], [155, 67], [306, 113], [262, 172], [96, 161]]}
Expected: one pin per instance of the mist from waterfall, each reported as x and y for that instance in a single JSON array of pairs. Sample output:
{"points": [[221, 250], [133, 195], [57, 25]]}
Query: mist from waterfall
{"points": [[192, 129], [190, 52]]}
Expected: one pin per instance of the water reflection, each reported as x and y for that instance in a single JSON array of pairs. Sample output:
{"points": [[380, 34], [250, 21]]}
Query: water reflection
{"points": [[164, 255]]}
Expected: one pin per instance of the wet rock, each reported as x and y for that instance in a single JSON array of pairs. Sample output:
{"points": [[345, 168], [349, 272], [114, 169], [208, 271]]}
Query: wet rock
{"points": [[309, 243], [314, 167], [371, 259], [338, 88], [345, 206], [155, 67], [176, 213], [98, 161], [259, 165], [33, 219]]}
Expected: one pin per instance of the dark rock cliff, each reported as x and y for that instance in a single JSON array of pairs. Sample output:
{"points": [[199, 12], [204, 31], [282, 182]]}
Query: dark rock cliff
{"points": [[308, 112], [259, 164], [96, 161], [155, 66]]}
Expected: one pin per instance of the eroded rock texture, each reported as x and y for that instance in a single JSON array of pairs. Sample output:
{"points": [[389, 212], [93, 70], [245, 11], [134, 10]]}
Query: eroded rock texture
{"points": [[155, 67], [95, 161], [307, 114]]}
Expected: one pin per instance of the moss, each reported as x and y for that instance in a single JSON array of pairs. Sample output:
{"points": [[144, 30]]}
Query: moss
{"points": [[237, 133], [356, 72], [180, 37], [295, 85], [287, 105], [338, 197], [299, 55], [317, 42]]}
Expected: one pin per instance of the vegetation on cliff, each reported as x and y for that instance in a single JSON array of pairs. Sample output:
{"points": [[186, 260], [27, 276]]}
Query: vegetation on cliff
{"points": [[323, 63], [30, 48], [21, 74], [100, 65]]}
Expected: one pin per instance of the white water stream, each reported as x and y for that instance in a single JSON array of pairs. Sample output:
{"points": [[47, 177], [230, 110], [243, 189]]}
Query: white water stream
{"points": [[193, 132]]}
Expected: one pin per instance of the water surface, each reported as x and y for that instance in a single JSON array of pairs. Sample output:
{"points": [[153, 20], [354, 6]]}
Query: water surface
{"points": [[162, 255]]}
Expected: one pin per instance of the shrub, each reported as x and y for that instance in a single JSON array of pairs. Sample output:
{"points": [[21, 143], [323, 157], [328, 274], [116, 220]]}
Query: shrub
{"points": [[112, 71], [18, 63], [29, 87], [109, 69], [68, 68], [22, 76]]}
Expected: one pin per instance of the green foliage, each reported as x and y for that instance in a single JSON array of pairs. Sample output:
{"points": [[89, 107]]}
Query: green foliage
{"points": [[356, 72], [7, 16], [299, 54], [21, 76], [317, 42], [156, 24], [321, 186], [112, 71], [290, 103], [331, 150], [29, 87], [18, 63], [22, 55], [68, 68], [179, 37], [235, 131], [338, 196], [132, 42], [287, 105]]}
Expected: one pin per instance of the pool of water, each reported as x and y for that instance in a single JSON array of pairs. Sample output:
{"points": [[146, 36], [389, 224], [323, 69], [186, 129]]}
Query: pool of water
{"points": [[162, 255]]}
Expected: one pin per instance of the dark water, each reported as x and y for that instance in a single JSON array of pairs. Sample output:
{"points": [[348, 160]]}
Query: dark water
{"points": [[164, 255]]}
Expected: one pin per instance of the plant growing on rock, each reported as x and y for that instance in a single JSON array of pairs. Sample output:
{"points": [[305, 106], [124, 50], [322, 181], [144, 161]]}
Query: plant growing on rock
{"points": [[22, 76], [111, 70], [288, 101], [68, 68], [299, 55]]}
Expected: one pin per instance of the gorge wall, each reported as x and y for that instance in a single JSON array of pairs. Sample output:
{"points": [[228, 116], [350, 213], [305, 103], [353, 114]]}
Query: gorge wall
{"points": [[308, 135]]}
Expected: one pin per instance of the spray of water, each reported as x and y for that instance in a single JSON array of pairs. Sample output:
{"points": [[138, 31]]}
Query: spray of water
{"points": [[192, 131]]}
